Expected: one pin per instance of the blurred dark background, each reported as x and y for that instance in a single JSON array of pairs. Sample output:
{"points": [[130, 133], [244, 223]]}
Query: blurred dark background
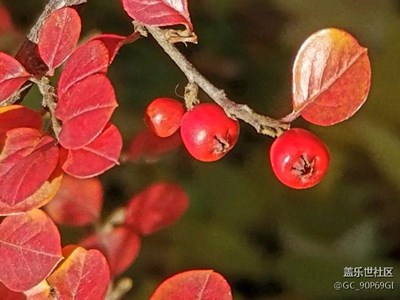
{"points": [[268, 241]]}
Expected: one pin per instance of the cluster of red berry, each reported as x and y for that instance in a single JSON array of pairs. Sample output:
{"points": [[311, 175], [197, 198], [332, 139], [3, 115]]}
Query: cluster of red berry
{"points": [[299, 158]]}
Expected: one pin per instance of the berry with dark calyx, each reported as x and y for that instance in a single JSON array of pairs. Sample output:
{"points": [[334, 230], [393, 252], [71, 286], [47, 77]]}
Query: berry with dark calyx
{"points": [[164, 115], [299, 158], [208, 133]]}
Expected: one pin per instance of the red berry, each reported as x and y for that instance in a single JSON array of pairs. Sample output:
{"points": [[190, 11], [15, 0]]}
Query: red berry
{"points": [[299, 158], [208, 133], [164, 115]]}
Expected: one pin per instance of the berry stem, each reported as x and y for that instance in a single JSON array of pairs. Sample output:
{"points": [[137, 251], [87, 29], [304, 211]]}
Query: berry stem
{"points": [[262, 124], [191, 95]]}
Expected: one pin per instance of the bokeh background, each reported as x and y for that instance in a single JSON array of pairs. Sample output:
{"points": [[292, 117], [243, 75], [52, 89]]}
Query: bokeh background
{"points": [[269, 241]]}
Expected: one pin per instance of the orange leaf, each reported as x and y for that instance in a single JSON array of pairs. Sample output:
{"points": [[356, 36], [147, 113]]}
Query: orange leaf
{"points": [[331, 77], [27, 160], [30, 248], [78, 201], [16, 116], [41, 291], [84, 274], [41, 197], [194, 285]]}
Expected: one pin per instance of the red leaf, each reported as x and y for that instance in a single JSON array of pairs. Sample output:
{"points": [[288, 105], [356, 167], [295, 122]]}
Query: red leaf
{"points": [[82, 275], [6, 24], [27, 160], [159, 12], [331, 77], [59, 36], [85, 110], [16, 116], [30, 249], [158, 206], [97, 157], [120, 247], [194, 285], [114, 42], [7, 294], [88, 59], [78, 201], [150, 147], [41, 197], [12, 76]]}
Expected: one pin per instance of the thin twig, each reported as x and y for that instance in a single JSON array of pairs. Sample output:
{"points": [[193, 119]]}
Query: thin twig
{"points": [[262, 124]]}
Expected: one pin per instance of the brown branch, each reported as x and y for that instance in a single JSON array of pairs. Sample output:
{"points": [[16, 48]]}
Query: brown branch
{"points": [[49, 101], [262, 124]]}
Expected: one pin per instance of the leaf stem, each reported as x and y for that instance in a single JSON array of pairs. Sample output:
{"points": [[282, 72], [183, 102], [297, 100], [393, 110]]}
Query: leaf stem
{"points": [[289, 118], [262, 124]]}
